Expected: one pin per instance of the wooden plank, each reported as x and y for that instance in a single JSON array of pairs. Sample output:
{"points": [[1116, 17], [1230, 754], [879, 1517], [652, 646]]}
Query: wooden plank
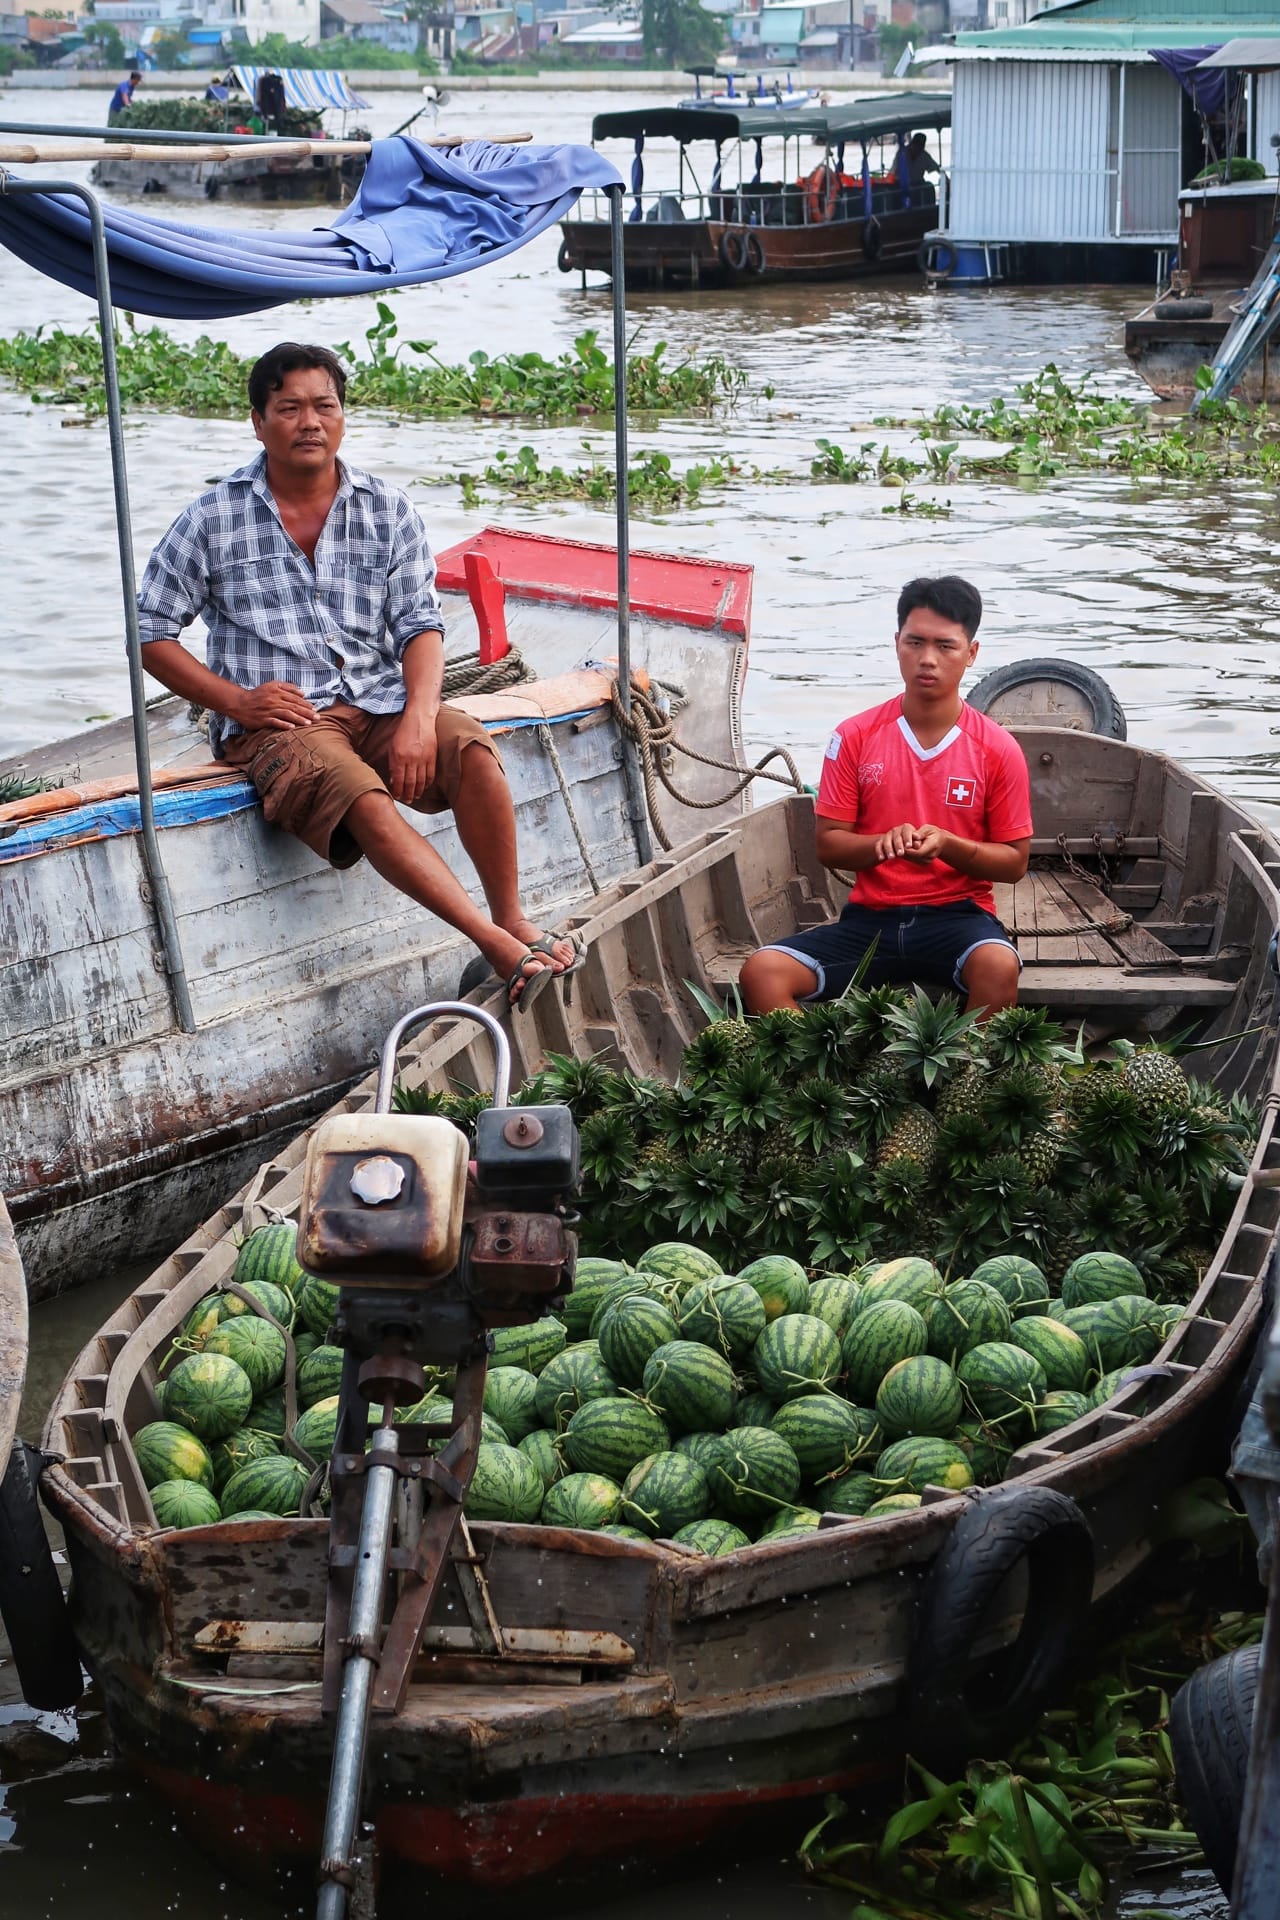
{"points": [[1057, 913], [303, 1637], [1085, 987], [1136, 945]]}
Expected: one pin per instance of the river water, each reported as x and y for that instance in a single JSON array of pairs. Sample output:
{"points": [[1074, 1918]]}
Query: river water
{"points": [[1167, 588]]}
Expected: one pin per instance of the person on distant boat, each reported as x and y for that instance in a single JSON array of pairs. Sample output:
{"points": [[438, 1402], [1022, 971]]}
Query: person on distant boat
{"points": [[325, 644], [926, 802], [123, 97], [920, 162]]}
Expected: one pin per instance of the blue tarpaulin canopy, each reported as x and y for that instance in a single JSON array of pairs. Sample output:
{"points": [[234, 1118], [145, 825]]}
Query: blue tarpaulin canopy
{"points": [[304, 86], [1206, 88], [422, 213]]}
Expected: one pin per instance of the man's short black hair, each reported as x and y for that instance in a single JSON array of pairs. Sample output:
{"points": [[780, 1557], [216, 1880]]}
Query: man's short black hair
{"points": [[266, 376], [947, 595], [135, 76]]}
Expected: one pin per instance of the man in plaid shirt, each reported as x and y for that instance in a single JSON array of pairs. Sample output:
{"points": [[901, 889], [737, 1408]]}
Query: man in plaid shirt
{"points": [[325, 663]]}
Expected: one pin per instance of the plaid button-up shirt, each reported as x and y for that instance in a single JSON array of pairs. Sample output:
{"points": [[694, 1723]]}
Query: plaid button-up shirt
{"points": [[336, 632]]}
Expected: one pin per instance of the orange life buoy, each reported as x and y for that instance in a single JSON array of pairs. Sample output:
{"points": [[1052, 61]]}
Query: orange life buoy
{"points": [[821, 190]]}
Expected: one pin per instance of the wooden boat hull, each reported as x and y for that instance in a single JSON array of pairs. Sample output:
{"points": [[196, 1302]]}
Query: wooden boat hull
{"points": [[13, 1335], [692, 252], [1168, 353], [658, 1696]]}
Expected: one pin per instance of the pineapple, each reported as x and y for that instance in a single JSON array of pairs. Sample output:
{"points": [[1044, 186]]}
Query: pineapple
{"points": [[964, 1144], [879, 1097], [1109, 1128], [933, 1039], [1040, 1153], [714, 1050], [1018, 1102], [748, 1096], [706, 1193], [775, 1038], [826, 1043], [679, 1119], [914, 1139], [1022, 1037], [608, 1149], [964, 1093], [1156, 1082], [818, 1113]]}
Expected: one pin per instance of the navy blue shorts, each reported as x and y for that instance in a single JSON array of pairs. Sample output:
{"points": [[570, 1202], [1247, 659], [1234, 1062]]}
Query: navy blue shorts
{"points": [[915, 946]]}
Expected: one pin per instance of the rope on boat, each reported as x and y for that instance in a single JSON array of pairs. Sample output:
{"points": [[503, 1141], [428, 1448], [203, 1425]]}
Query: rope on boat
{"points": [[465, 675]]}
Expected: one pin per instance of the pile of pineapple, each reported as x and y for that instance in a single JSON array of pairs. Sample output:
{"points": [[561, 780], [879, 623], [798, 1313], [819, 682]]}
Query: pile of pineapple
{"points": [[886, 1123]]}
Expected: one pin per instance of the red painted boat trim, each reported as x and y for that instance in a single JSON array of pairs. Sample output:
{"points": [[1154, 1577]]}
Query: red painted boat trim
{"points": [[664, 586]]}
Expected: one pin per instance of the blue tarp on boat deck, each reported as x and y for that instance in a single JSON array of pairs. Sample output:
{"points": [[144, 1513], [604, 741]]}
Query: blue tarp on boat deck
{"points": [[422, 213]]}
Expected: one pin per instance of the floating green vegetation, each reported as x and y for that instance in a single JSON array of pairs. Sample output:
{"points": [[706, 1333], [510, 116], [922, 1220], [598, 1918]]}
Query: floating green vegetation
{"points": [[654, 483], [208, 377], [1036, 1836]]}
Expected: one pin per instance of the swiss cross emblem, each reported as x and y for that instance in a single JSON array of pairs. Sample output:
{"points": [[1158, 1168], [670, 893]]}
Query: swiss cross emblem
{"points": [[959, 793]]}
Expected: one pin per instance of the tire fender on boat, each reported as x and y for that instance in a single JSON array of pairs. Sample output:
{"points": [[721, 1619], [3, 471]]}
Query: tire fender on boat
{"points": [[872, 239], [1210, 1731], [733, 248], [959, 1705], [1008, 694], [937, 259], [31, 1603], [753, 253]]}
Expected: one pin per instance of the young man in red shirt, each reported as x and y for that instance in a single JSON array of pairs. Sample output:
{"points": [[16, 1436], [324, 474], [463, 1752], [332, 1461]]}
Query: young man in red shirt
{"points": [[926, 802]]}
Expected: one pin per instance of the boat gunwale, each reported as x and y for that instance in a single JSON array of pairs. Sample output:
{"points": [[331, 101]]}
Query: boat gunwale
{"points": [[13, 1335]]}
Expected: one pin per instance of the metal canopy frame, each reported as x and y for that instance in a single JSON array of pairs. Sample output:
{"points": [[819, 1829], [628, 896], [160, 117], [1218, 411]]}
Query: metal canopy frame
{"points": [[160, 897]]}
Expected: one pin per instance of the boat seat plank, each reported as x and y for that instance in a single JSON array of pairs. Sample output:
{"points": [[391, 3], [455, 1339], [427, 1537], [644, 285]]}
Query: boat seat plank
{"points": [[1137, 944], [1114, 986]]}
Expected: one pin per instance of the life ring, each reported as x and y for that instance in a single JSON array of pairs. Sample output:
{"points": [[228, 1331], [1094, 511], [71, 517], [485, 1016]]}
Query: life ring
{"points": [[821, 191], [928, 262], [753, 252], [872, 239], [564, 259], [733, 248], [959, 1707], [31, 1603]]}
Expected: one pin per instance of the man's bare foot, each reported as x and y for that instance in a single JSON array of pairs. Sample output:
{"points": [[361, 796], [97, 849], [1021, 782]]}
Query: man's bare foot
{"points": [[563, 952]]}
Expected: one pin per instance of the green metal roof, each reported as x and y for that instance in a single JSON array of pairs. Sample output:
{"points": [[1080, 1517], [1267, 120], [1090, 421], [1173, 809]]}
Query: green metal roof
{"points": [[853, 120], [1124, 24]]}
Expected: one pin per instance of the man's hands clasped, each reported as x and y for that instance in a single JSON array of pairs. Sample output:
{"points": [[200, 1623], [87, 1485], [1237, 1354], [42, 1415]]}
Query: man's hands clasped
{"points": [[920, 844]]}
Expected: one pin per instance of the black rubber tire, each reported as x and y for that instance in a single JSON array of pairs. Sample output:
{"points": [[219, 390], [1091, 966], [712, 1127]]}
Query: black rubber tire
{"points": [[211, 189], [563, 259], [1210, 1728], [957, 1709], [1189, 309], [753, 253], [927, 259], [872, 239], [1107, 713], [733, 249], [31, 1603]]}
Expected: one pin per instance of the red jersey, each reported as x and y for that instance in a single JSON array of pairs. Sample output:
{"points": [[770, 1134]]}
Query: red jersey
{"points": [[974, 783]]}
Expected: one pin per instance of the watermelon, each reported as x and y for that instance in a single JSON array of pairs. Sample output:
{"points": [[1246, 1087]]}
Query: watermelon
{"points": [[166, 1451], [506, 1485], [304, 1344], [569, 1380], [674, 1260], [611, 1436], [826, 1434], [881, 1335], [631, 1329], [796, 1354], [202, 1320], [1062, 1353], [1002, 1383], [319, 1374], [1146, 1322], [920, 1395], [209, 1393], [1019, 1282], [986, 1449], [781, 1282], [964, 1315], [591, 1278], [713, 1537], [273, 1485], [183, 1503], [635, 1534], [1059, 1409], [540, 1447], [792, 1523], [317, 1304], [584, 1500], [256, 1346], [510, 1395], [724, 1313], [250, 1513], [236, 1451], [433, 1410], [1109, 1385], [893, 1503], [317, 1428], [531, 1347], [271, 1253], [915, 1281], [1099, 1276], [702, 1447], [911, 1465], [692, 1388], [835, 1298], [756, 1473], [274, 1300], [852, 1493], [1108, 1328], [665, 1492], [754, 1409], [268, 1414]]}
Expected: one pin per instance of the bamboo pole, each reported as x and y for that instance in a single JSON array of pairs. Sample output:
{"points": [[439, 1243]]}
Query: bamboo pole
{"points": [[90, 149]]}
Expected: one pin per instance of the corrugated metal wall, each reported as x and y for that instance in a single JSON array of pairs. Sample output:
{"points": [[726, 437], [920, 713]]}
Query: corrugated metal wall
{"points": [[1029, 149], [1152, 160], [1266, 117]]}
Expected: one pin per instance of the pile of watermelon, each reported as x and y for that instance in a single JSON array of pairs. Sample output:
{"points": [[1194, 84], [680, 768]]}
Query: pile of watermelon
{"points": [[675, 1401]]}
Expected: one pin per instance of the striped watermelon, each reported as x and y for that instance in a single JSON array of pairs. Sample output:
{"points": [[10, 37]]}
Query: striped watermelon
{"points": [[303, 1344], [1100, 1276], [569, 1380], [1062, 1353], [164, 1450], [754, 1409], [584, 1500], [893, 1503], [915, 1281], [781, 1282], [208, 1393], [271, 1253], [267, 1415], [1019, 1282], [629, 1331], [274, 1484], [792, 1523], [1107, 1328], [506, 1485], [237, 1450], [920, 1395], [591, 1279], [1059, 1409], [1147, 1323], [530, 1347], [319, 1375], [702, 1447], [317, 1304], [796, 1354], [826, 1434], [675, 1260], [644, 1284], [1109, 1385], [852, 1493], [835, 1298], [911, 1465], [510, 1395], [712, 1537], [610, 1436], [1002, 1383], [183, 1503], [250, 1513], [634, 1534], [256, 1346], [540, 1447], [693, 1388], [317, 1428], [756, 1473], [880, 1336], [987, 1449], [665, 1492], [965, 1314], [202, 1319], [724, 1313], [273, 1299]]}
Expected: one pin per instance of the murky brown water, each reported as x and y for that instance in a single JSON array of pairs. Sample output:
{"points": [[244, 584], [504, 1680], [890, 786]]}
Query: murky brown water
{"points": [[1167, 589]]}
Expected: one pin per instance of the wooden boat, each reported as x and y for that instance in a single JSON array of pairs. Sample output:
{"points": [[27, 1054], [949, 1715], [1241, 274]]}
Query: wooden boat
{"points": [[638, 1698], [117, 1130], [738, 228], [13, 1335]]}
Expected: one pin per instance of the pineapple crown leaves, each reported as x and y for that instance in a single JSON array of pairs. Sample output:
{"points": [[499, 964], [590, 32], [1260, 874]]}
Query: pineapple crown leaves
{"points": [[817, 1113], [679, 1119], [1018, 1102], [1109, 1128], [775, 1039], [587, 1085], [608, 1148], [965, 1144], [1024, 1037], [825, 1042], [933, 1037], [706, 1192], [1189, 1146], [712, 1009], [713, 1050], [747, 1096], [867, 1011], [998, 1193], [901, 1190]]}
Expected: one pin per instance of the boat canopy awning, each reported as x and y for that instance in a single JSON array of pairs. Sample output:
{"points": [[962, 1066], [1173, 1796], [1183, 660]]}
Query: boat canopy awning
{"points": [[306, 87], [1249, 56], [852, 120], [422, 213]]}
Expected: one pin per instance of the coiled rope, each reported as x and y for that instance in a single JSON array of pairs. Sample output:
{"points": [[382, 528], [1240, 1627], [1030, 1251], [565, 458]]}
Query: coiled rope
{"points": [[465, 674]]}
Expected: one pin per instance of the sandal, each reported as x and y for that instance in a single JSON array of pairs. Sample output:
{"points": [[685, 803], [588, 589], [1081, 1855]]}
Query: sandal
{"points": [[524, 985], [550, 941]]}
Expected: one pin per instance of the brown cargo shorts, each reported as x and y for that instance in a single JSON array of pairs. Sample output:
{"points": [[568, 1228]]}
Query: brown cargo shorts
{"points": [[309, 777]]}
